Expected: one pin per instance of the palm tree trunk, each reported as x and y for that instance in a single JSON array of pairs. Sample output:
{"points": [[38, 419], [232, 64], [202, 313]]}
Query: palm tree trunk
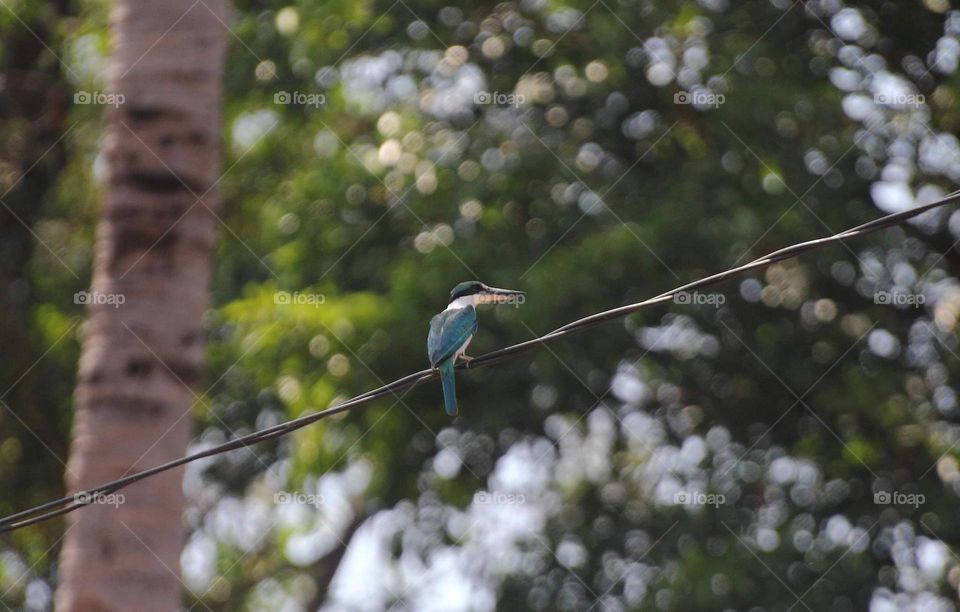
{"points": [[141, 358]]}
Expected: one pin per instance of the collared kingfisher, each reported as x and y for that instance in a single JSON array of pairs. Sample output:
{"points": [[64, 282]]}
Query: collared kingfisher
{"points": [[452, 330]]}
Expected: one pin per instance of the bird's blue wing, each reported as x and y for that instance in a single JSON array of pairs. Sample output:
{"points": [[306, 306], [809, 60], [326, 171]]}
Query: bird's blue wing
{"points": [[448, 331]]}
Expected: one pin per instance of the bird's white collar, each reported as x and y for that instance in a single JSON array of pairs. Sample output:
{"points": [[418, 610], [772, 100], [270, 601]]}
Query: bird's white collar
{"points": [[463, 302]]}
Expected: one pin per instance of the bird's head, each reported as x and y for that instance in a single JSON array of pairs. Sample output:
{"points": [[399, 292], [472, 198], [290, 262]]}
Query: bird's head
{"points": [[476, 292]]}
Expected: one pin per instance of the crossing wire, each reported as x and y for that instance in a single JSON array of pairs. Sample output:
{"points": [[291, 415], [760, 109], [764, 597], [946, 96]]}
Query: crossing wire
{"points": [[70, 503]]}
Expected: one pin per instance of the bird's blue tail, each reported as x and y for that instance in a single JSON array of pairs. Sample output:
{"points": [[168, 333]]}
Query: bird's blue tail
{"points": [[449, 387]]}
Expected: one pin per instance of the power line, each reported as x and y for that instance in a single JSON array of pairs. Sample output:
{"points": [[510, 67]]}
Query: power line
{"points": [[67, 504]]}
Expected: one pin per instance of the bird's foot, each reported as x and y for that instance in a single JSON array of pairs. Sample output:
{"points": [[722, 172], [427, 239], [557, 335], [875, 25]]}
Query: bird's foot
{"points": [[466, 360]]}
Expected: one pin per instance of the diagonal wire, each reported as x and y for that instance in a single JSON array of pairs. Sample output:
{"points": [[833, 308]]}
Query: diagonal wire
{"points": [[68, 504]]}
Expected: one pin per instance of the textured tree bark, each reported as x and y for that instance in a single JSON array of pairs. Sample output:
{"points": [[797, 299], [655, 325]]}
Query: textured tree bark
{"points": [[141, 358]]}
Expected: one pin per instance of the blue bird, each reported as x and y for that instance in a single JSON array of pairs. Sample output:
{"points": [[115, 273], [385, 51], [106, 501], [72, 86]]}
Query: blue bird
{"points": [[452, 330]]}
